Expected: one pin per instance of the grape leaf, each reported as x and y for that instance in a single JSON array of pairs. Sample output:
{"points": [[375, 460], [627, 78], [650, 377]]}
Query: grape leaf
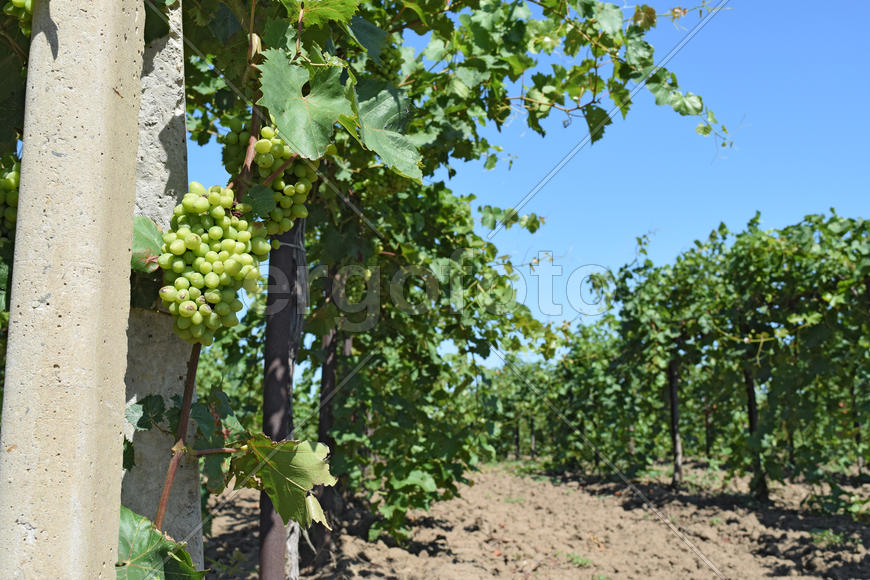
{"points": [[146, 245], [261, 200], [381, 112], [305, 121], [370, 37], [146, 413], [286, 471], [144, 553], [596, 118], [418, 478], [280, 34], [609, 16], [129, 457], [318, 12]]}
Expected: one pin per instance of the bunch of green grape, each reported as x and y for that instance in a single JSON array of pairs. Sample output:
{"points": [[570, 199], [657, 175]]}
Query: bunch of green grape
{"points": [[23, 11], [210, 252], [294, 184], [10, 172]]}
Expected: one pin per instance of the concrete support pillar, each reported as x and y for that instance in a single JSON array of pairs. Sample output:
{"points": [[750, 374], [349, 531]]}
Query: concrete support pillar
{"points": [[60, 449], [157, 359]]}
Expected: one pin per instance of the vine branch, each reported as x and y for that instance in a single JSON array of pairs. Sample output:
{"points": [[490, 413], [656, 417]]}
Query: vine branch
{"points": [[178, 448]]}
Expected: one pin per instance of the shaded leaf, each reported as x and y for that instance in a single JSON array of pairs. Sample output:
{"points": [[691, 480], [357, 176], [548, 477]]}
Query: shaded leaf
{"points": [[147, 412], [261, 200], [381, 115], [11, 99], [372, 38]]}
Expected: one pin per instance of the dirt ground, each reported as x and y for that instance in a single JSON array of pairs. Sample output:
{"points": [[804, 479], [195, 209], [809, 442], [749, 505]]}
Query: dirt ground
{"points": [[529, 526]]}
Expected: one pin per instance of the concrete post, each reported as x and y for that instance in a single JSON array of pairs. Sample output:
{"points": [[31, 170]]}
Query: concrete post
{"points": [[156, 358], [60, 449]]}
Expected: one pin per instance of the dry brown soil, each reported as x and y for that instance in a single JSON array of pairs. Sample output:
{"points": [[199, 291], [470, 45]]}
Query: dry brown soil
{"points": [[529, 526]]}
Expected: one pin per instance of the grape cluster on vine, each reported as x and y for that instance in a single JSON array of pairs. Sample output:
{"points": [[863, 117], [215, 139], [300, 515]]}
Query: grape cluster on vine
{"points": [[23, 11], [212, 250], [10, 174], [292, 185]]}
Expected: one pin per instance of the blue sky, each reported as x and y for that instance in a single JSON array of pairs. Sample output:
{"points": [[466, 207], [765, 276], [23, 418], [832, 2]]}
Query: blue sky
{"points": [[786, 78]]}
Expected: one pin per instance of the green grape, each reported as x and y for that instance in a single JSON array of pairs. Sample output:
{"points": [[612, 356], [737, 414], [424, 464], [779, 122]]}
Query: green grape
{"points": [[187, 308], [267, 132], [263, 146], [235, 125], [197, 188], [168, 293]]}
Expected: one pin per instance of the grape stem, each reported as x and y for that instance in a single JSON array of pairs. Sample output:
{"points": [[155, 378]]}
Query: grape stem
{"points": [[178, 448], [245, 175], [277, 173], [217, 450]]}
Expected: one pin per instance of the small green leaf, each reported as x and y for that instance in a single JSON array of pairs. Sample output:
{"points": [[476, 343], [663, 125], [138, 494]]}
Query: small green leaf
{"points": [[261, 200], [286, 471], [418, 478], [146, 413], [129, 457], [597, 119], [144, 553], [147, 242], [704, 129]]}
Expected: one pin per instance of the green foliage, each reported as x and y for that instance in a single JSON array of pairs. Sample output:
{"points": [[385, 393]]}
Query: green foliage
{"points": [[405, 116], [144, 553], [781, 314]]}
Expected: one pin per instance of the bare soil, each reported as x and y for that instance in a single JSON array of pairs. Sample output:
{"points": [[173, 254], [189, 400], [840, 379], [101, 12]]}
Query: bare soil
{"points": [[530, 526]]}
